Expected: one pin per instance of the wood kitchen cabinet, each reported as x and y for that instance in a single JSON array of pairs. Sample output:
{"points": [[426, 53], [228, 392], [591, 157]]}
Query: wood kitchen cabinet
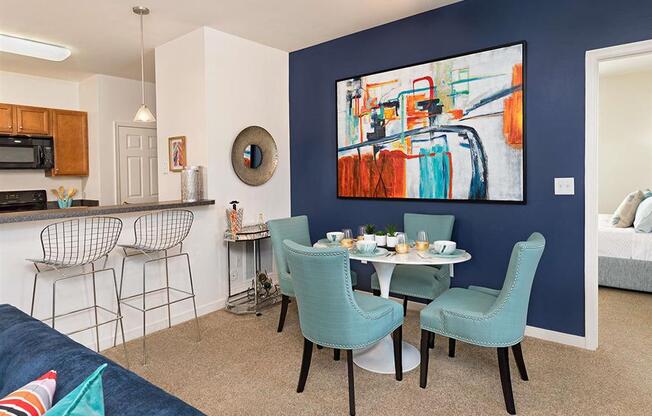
{"points": [[31, 120], [6, 118], [70, 134]]}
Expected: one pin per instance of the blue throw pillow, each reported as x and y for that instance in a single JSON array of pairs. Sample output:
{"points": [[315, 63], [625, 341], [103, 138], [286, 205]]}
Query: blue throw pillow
{"points": [[85, 400], [643, 220]]}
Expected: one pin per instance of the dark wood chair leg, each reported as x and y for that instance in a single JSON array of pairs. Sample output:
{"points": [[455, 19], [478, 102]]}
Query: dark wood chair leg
{"points": [[305, 364], [375, 292], [405, 303], [520, 363], [431, 340], [336, 354], [285, 300], [451, 347], [349, 365], [425, 347], [505, 379], [397, 336]]}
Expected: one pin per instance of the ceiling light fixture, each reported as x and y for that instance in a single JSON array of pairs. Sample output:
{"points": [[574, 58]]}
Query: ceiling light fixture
{"points": [[32, 48], [143, 115]]}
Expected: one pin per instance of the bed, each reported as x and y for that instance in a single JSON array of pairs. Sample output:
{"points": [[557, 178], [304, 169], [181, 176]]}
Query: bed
{"points": [[624, 257]]}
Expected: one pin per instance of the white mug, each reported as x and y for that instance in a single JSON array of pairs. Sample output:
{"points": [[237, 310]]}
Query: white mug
{"points": [[335, 236], [444, 246]]}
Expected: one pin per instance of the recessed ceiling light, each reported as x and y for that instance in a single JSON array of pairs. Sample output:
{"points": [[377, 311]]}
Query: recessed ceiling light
{"points": [[33, 48]]}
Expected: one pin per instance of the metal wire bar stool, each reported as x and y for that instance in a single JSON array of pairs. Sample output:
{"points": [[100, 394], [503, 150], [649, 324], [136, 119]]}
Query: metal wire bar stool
{"points": [[155, 235], [71, 245]]}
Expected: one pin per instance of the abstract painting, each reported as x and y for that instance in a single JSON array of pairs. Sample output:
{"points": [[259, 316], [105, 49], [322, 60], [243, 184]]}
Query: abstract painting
{"points": [[450, 129], [177, 153]]}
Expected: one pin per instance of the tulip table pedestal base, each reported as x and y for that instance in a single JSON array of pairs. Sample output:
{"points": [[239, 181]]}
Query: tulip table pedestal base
{"points": [[379, 358]]}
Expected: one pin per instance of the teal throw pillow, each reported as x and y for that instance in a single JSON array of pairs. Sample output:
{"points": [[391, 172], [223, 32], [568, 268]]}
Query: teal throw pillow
{"points": [[85, 400]]}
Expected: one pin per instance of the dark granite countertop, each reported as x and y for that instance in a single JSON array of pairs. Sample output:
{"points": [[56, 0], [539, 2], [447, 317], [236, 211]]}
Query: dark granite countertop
{"points": [[86, 211]]}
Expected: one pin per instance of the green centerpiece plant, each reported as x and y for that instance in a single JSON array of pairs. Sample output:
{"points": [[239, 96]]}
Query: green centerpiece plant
{"points": [[391, 231]]}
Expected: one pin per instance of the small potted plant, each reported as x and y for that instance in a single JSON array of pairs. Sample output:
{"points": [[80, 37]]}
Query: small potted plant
{"points": [[381, 238], [391, 236], [370, 232]]}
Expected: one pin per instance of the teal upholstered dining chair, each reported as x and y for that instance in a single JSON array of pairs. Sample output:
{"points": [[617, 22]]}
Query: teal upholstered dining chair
{"points": [[332, 315], [488, 317], [294, 229], [426, 282]]}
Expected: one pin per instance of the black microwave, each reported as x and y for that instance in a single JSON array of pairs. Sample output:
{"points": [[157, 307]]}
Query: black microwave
{"points": [[26, 152]]}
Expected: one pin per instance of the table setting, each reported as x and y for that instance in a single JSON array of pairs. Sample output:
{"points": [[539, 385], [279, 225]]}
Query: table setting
{"points": [[370, 247]]}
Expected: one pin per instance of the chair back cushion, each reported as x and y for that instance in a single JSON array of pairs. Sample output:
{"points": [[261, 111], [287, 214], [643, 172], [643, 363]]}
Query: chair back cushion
{"points": [[294, 229], [511, 306], [328, 312], [438, 227]]}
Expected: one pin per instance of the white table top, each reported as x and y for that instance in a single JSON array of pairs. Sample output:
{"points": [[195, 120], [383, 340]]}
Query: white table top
{"points": [[411, 257]]}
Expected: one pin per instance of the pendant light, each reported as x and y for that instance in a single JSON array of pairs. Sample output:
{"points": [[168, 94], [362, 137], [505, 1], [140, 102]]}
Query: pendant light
{"points": [[144, 115]]}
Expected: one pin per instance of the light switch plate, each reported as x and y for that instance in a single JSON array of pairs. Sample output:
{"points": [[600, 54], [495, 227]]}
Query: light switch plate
{"points": [[564, 186]]}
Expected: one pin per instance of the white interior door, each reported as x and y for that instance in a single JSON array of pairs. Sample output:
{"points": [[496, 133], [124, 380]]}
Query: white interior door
{"points": [[138, 164]]}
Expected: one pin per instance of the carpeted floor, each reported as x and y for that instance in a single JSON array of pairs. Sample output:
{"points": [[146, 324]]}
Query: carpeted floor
{"points": [[244, 367]]}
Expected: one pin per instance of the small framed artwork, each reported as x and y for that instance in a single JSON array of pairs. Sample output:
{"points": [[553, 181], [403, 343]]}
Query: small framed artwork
{"points": [[177, 155]]}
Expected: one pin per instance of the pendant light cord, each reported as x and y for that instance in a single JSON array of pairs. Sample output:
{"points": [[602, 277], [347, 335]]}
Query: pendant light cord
{"points": [[142, 61]]}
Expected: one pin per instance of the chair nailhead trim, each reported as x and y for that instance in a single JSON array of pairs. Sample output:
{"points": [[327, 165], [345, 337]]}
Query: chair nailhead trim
{"points": [[489, 315]]}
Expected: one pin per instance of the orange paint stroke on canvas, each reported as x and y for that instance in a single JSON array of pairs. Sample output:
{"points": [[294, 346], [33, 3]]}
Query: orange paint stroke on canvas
{"points": [[513, 112]]}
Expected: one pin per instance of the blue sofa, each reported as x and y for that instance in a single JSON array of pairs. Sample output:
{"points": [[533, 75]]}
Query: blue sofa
{"points": [[29, 348]]}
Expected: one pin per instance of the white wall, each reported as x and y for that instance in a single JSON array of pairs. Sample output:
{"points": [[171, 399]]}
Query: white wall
{"points": [[210, 86], [625, 137], [41, 92], [108, 100], [181, 105]]}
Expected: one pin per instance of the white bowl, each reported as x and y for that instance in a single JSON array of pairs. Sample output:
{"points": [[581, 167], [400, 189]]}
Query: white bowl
{"points": [[444, 246], [335, 236], [365, 246]]}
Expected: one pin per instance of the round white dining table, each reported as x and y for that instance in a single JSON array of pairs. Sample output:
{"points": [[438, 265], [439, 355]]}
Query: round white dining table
{"points": [[379, 358]]}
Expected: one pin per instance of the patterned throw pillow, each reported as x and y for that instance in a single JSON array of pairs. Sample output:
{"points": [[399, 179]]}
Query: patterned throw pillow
{"points": [[626, 211], [33, 399]]}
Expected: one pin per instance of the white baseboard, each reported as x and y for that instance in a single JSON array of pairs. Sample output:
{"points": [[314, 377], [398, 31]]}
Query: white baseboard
{"points": [[554, 336], [160, 324]]}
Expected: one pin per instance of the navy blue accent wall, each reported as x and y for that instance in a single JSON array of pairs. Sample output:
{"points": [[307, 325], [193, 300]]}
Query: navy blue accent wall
{"points": [[558, 33]]}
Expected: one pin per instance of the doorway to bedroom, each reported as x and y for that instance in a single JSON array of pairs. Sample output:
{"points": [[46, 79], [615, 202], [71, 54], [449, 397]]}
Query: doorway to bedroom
{"points": [[623, 176]]}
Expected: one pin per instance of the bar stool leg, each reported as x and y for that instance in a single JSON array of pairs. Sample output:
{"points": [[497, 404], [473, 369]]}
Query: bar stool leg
{"points": [[54, 299], [144, 317], [31, 310], [122, 328], [167, 284], [97, 322], [194, 303], [122, 275]]}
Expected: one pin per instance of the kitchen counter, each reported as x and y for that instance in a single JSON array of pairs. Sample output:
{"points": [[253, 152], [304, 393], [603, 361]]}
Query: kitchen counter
{"points": [[86, 211]]}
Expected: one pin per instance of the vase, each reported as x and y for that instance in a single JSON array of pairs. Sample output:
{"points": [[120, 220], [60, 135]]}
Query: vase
{"points": [[381, 240], [391, 241], [370, 237]]}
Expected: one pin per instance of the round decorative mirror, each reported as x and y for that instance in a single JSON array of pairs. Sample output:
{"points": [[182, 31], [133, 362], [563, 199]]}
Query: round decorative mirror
{"points": [[254, 155]]}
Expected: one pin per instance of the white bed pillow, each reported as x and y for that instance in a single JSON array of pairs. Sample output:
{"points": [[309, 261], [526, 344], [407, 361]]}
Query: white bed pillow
{"points": [[643, 220], [626, 211]]}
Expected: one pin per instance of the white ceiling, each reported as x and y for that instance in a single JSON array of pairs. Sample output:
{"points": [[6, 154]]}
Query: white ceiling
{"points": [[630, 64], [103, 34]]}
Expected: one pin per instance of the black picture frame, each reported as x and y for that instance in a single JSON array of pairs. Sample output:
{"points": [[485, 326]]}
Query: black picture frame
{"points": [[523, 43]]}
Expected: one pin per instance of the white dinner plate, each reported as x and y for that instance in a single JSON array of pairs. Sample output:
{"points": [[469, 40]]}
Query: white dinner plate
{"points": [[377, 253], [457, 253]]}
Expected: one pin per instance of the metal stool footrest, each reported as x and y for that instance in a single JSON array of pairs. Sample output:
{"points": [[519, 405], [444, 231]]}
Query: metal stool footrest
{"points": [[116, 318], [125, 301]]}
